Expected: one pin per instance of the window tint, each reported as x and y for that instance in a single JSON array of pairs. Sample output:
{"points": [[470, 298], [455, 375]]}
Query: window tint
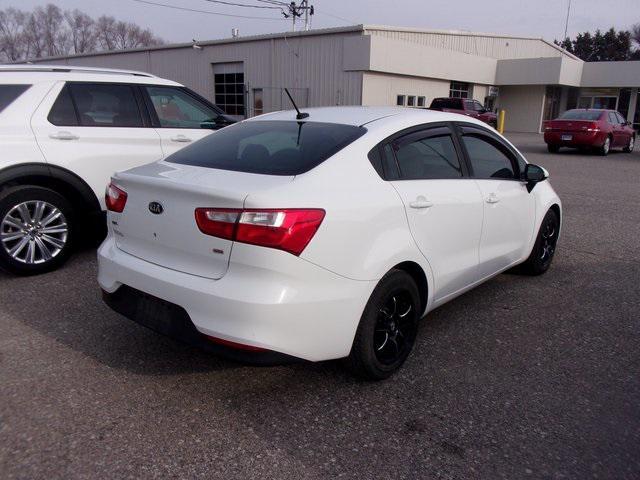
{"points": [[8, 93], [106, 105], [487, 160], [581, 115], [269, 147], [177, 109], [427, 158], [62, 113]]}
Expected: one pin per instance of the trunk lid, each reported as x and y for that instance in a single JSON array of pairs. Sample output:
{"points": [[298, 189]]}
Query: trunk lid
{"points": [[570, 125], [168, 235]]}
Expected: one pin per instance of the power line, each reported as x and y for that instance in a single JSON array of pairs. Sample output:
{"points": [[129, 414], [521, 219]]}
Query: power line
{"points": [[209, 12], [222, 2], [350, 22]]}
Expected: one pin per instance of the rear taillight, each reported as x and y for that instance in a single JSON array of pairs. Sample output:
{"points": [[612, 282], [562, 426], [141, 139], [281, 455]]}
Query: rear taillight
{"points": [[288, 229], [115, 198], [592, 127]]}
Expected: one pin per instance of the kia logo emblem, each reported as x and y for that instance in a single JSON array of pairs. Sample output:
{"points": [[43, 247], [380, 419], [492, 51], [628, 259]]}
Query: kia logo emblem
{"points": [[156, 208]]}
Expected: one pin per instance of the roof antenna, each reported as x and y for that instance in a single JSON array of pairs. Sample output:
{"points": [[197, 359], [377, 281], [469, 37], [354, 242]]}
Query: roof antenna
{"points": [[300, 114]]}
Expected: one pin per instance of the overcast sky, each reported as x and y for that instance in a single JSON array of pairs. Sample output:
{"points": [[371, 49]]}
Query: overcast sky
{"points": [[537, 18]]}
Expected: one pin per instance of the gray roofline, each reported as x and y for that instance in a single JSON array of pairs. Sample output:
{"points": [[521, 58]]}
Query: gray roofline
{"points": [[465, 33], [174, 46], [309, 33]]}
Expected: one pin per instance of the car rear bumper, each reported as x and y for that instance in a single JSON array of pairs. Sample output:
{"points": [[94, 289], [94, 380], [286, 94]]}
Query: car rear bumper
{"points": [[578, 139], [301, 310]]}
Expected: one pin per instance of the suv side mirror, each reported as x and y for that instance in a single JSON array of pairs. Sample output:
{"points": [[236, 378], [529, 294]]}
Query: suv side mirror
{"points": [[534, 174]]}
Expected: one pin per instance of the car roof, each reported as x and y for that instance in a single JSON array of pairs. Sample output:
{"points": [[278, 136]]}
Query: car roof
{"points": [[358, 116], [31, 73]]}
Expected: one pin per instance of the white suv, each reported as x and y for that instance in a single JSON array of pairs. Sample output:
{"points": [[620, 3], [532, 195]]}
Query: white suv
{"points": [[64, 131]]}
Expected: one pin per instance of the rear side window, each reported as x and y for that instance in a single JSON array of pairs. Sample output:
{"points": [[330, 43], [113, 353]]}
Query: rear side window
{"points": [[424, 156], [62, 113], [487, 160], [106, 105], [8, 93], [269, 147]]}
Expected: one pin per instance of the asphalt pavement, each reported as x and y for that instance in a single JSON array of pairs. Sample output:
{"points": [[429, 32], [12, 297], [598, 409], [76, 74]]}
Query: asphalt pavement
{"points": [[520, 378]]}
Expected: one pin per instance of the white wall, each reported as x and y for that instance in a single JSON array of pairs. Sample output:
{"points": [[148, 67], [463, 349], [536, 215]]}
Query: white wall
{"points": [[523, 106], [382, 88]]}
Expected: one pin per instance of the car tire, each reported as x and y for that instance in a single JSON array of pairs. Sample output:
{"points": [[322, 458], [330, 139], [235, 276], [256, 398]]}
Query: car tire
{"points": [[630, 146], [28, 245], [553, 148], [606, 147], [387, 329], [544, 248]]}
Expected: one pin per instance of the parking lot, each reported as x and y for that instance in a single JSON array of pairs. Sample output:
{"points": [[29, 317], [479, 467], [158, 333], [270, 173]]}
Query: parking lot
{"points": [[520, 378]]}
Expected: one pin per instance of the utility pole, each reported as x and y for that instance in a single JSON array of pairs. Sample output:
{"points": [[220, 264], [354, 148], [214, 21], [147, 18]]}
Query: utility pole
{"points": [[294, 10], [566, 24]]}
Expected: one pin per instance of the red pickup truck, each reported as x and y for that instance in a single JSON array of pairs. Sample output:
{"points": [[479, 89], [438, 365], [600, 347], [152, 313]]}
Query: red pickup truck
{"points": [[465, 106]]}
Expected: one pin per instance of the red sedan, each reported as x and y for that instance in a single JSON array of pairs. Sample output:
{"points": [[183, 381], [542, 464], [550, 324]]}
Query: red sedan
{"points": [[601, 130]]}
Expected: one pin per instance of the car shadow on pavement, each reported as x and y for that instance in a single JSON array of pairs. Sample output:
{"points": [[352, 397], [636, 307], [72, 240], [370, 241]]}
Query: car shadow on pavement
{"points": [[66, 305]]}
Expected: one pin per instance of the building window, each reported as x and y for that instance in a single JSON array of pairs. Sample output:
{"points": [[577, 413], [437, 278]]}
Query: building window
{"points": [[422, 101], [460, 90], [229, 88], [400, 100], [411, 101]]}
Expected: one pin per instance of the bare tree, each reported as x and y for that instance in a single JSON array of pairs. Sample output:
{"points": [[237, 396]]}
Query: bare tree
{"points": [[49, 31], [12, 38], [82, 31]]}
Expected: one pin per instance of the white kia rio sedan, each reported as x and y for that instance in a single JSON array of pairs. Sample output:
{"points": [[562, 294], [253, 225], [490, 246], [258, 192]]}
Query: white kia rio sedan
{"points": [[323, 236]]}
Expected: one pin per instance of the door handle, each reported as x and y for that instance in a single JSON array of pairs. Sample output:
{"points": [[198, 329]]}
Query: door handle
{"points": [[492, 198], [421, 202], [64, 136], [180, 138]]}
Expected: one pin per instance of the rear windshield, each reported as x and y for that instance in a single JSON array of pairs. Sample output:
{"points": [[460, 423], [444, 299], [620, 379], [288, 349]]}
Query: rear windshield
{"points": [[269, 147], [581, 115], [445, 103], [8, 93]]}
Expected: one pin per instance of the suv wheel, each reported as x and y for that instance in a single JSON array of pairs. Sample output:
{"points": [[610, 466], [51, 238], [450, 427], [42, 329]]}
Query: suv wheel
{"points": [[387, 329], [36, 230]]}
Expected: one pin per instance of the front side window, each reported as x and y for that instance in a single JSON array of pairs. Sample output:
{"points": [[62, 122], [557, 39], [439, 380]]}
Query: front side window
{"points": [[621, 119], [487, 160], [613, 120], [8, 93], [177, 109], [427, 157], [106, 105], [62, 113], [269, 147]]}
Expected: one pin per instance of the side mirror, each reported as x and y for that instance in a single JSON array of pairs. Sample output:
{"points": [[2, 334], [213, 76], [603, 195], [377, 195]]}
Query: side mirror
{"points": [[534, 174]]}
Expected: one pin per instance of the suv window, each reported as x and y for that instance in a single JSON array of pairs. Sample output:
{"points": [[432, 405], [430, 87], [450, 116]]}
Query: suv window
{"points": [[427, 155], [177, 109], [487, 159], [106, 105], [8, 93], [63, 113], [269, 147]]}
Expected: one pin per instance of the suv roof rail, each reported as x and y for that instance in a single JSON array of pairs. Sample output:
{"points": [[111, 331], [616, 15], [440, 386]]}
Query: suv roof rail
{"points": [[71, 68]]}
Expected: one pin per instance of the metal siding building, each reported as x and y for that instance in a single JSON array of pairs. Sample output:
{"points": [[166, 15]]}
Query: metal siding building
{"points": [[532, 79]]}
